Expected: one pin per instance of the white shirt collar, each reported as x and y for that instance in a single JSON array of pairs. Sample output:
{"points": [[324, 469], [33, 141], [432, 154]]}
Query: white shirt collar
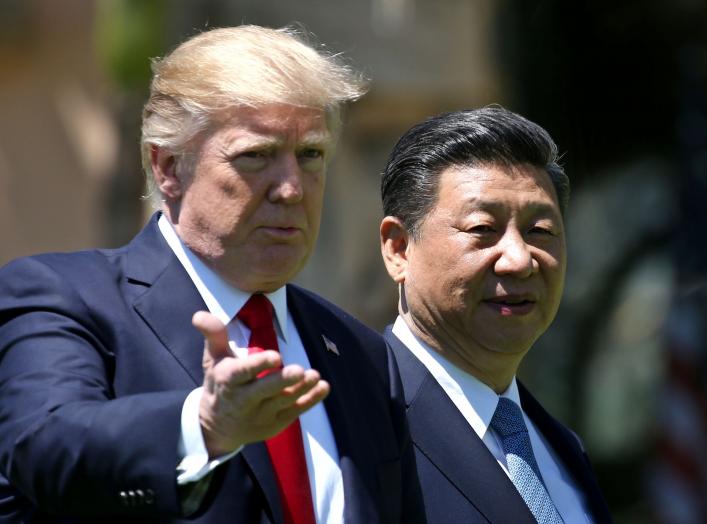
{"points": [[477, 403], [220, 297], [475, 400]]}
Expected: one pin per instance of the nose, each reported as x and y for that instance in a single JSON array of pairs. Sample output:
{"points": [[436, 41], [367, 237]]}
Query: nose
{"points": [[515, 257], [287, 185]]}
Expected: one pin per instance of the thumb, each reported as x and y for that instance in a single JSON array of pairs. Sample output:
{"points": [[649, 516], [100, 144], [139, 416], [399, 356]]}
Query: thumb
{"points": [[215, 336]]}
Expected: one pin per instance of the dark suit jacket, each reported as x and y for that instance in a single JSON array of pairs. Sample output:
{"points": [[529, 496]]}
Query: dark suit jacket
{"points": [[460, 479], [97, 354]]}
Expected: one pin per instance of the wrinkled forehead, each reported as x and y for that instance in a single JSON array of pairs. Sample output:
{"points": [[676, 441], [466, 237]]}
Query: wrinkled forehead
{"points": [[274, 117], [273, 124]]}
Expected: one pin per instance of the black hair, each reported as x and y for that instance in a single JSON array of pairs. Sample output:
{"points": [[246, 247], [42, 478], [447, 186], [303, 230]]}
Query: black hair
{"points": [[473, 137]]}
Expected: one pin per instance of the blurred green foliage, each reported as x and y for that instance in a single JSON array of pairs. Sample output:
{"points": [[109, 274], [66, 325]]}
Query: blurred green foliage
{"points": [[128, 33]]}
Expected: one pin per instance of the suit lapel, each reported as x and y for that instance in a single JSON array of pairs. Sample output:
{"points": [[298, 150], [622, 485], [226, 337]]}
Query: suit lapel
{"points": [[442, 434], [258, 460], [168, 318], [354, 455], [166, 298], [570, 451]]}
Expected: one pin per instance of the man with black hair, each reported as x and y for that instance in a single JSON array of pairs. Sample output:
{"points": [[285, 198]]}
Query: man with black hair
{"points": [[474, 237]]}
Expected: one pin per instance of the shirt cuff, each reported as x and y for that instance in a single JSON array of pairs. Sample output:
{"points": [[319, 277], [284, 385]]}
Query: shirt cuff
{"points": [[195, 463]]}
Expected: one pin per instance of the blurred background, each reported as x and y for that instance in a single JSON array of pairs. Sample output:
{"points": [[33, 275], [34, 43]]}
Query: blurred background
{"points": [[621, 86]]}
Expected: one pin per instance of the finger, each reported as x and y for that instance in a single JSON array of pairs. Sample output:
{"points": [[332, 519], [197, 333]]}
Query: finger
{"points": [[304, 402], [298, 394], [273, 384], [290, 395], [315, 395], [310, 379], [236, 372], [214, 333], [277, 392]]}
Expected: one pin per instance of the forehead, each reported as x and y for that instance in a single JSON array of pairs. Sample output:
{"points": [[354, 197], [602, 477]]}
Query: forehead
{"points": [[277, 120], [268, 126], [497, 186]]}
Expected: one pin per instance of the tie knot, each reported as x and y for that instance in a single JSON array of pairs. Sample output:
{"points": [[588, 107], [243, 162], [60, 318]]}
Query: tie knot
{"points": [[508, 419], [256, 313]]}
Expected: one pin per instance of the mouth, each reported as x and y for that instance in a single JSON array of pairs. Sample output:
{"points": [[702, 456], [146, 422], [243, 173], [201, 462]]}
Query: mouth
{"points": [[511, 305], [281, 232]]}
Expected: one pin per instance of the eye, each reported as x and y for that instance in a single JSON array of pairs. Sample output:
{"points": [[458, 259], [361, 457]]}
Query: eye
{"points": [[312, 152], [311, 159], [481, 229], [252, 154], [249, 161], [541, 230]]}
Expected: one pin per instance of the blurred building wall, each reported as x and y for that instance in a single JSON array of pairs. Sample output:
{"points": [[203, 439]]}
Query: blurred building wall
{"points": [[58, 141]]}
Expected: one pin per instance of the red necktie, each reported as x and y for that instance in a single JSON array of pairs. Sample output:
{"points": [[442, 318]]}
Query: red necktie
{"points": [[285, 449]]}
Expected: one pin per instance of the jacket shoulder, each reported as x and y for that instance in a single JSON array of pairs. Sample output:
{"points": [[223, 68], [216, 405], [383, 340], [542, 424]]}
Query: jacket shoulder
{"points": [[54, 275], [68, 265], [331, 312], [365, 342]]}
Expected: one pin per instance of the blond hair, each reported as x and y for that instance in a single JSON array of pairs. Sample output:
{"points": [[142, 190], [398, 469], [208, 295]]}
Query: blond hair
{"points": [[247, 66]]}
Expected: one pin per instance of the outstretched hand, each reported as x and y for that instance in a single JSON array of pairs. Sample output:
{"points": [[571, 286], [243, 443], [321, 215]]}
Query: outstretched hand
{"points": [[236, 406]]}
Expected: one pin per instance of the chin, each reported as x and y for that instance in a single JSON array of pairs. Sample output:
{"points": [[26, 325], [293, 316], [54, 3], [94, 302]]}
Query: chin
{"points": [[511, 347], [284, 269], [261, 284], [269, 279]]}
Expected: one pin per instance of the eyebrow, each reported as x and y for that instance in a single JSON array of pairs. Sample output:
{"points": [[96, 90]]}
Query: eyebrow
{"points": [[314, 138]]}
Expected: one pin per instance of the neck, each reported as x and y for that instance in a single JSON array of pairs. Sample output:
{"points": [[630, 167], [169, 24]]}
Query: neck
{"points": [[495, 369]]}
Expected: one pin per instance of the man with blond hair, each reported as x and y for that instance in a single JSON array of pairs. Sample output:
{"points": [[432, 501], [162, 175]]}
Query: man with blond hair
{"points": [[278, 407]]}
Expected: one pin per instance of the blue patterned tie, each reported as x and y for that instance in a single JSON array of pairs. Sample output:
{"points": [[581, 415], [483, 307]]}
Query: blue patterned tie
{"points": [[508, 422]]}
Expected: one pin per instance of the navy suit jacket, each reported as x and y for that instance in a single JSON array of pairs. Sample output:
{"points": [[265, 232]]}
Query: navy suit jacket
{"points": [[97, 354], [460, 479]]}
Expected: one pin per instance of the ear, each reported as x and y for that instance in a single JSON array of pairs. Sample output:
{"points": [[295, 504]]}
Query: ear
{"points": [[394, 244], [164, 171]]}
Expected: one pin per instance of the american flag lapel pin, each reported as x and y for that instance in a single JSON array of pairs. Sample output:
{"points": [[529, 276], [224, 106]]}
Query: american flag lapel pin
{"points": [[330, 346]]}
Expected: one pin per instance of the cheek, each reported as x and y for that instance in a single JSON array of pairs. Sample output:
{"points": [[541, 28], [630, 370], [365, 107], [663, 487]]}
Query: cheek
{"points": [[555, 264], [219, 208], [232, 188], [314, 196], [315, 184], [437, 273], [468, 268], [554, 270]]}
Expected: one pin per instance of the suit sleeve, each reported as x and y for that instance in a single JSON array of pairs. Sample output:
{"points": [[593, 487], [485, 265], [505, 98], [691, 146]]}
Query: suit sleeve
{"points": [[66, 442]]}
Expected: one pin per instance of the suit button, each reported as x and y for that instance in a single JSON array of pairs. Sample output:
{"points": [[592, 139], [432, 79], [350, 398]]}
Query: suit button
{"points": [[124, 501], [149, 497]]}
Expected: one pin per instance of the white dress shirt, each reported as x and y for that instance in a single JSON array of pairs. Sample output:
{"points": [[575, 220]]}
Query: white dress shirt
{"points": [[224, 301], [477, 403]]}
